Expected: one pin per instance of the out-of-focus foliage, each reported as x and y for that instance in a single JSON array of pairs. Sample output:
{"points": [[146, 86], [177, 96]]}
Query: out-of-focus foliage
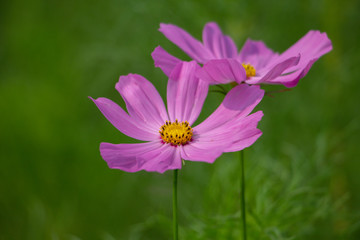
{"points": [[302, 174]]}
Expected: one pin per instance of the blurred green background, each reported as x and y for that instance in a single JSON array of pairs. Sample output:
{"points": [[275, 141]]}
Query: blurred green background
{"points": [[302, 175]]}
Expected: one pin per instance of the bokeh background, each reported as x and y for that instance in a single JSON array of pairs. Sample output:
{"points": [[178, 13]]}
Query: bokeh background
{"points": [[302, 175]]}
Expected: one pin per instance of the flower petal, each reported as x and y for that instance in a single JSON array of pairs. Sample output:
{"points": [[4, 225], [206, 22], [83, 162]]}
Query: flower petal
{"points": [[203, 151], [245, 132], [150, 156], [124, 156], [162, 159], [275, 71], [123, 122], [194, 48], [164, 60], [257, 54], [143, 101], [311, 47], [185, 93], [220, 45], [237, 104], [234, 135], [292, 79], [221, 71]]}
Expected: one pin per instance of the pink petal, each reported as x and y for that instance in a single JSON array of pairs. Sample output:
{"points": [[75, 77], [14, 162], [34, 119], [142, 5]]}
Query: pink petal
{"points": [[150, 156], [203, 151], [142, 100], [194, 48], [237, 104], [311, 47], [185, 93], [237, 133], [275, 71], [221, 71], [164, 60], [160, 160], [123, 122], [220, 45], [292, 79], [245, 132], [233, 135], [124, 156], [256, 53]]}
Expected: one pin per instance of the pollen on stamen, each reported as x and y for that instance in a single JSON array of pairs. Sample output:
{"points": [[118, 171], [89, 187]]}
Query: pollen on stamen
{"points": [[176, 133], [250, 70]]}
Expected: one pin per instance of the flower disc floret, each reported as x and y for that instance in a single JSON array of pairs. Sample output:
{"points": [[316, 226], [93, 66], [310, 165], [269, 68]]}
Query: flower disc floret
{"points": [[250, 70], [176, 133]]}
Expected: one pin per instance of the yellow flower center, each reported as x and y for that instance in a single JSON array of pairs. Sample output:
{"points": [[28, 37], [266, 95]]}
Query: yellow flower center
{"points": [[250, 70], [176, 133]]}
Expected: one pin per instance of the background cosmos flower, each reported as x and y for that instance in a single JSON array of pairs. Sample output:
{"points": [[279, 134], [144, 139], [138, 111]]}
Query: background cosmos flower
{"points": [[229, 128], [222, 61]]}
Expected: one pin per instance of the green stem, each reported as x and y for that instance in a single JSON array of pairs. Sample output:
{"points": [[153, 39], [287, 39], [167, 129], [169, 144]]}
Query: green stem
{"points": [[175, 223], [242, 186]]}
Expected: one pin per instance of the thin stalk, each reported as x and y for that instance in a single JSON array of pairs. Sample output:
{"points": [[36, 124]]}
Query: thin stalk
{"points": [[175, 222], [242, 187], [219, 91], [222, 88]]}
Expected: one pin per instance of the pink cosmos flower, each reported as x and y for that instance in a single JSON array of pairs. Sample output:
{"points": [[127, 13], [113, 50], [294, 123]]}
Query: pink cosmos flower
{"points": [[169, 134], [255, 61]]}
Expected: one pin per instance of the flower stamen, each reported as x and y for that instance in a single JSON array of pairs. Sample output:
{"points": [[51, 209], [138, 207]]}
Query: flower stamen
{"points": [[176, 133], [250, 70]]}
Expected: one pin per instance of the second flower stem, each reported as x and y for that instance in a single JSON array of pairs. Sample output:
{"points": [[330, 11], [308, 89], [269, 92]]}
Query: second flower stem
{"points": [[175, 223], [242, 189]]}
